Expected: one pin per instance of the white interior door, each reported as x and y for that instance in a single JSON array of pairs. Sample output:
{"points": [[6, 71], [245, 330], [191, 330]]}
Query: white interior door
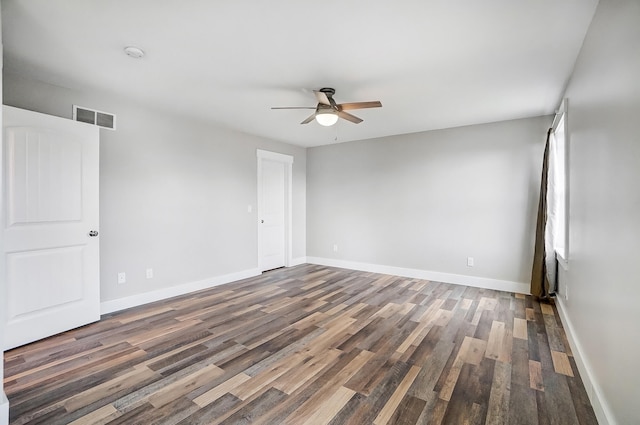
{"points": [[272, 215], [274, 171], [50, 224]]}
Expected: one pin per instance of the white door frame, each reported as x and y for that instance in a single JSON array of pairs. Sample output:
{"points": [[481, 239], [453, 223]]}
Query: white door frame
{"points": [[4, 403], [287, 160]]}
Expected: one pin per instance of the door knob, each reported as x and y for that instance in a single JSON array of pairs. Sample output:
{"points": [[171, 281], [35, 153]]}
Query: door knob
{"points": [[262, 221], [93, 233]]}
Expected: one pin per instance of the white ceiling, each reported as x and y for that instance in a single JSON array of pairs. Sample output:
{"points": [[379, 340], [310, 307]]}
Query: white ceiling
{"points": [[432, 64]]}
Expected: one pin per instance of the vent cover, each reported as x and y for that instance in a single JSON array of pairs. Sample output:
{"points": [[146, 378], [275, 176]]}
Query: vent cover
{"points": [[91, 116]]}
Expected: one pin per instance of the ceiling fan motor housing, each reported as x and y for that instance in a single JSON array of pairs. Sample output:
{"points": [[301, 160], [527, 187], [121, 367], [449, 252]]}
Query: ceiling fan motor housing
{"points": [[328, 91]]}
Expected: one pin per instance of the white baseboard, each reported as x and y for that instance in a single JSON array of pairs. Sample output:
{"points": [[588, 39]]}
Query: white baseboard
{"points": [[298, 261], [599, 403], [4, 409], [479, 282], [173, 291]]}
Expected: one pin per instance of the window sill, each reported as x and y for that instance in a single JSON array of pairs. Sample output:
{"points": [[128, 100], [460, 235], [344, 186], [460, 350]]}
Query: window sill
{"points": [[564, 263]]}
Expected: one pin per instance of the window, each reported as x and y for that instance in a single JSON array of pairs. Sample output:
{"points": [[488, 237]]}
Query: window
{"points": [[557, 193]]}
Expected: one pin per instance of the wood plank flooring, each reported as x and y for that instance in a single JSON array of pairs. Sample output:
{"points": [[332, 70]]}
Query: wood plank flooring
{"points": [[308, 345]]}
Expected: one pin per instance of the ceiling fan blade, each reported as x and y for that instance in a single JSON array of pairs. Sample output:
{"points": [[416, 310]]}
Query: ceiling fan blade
{"points": [[349, 117], [359, 105], [293, 107], [322, 97], [309, 119]]}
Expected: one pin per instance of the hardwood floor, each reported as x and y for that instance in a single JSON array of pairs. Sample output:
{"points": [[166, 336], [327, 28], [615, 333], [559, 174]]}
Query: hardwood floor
{"points": [[308, 345]]}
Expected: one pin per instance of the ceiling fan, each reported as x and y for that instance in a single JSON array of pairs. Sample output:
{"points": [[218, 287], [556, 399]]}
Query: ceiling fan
{"points": [[328, 111]]}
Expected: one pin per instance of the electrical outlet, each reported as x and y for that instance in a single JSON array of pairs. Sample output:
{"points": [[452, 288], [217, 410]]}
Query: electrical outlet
{"points": [[335, 247], [122, 277], [470, 261], [149, 273]]}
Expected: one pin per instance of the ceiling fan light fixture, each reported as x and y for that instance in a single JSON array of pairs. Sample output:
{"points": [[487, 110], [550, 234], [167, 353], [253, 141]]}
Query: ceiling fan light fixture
{"points": [[327, 111], [326, 118]]}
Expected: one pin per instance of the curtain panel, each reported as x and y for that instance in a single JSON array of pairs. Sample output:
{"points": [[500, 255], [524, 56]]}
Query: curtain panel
{"points": [[544, 270]]}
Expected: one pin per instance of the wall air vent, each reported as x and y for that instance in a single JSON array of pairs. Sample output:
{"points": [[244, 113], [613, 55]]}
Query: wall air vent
{"points": [[91, 116]]}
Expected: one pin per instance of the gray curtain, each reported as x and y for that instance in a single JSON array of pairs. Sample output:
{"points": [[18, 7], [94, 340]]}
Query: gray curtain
{"points": [[544, 271]]}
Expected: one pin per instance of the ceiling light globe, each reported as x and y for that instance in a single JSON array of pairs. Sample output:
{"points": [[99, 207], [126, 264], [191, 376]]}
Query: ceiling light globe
{"points": [[326, 119]]}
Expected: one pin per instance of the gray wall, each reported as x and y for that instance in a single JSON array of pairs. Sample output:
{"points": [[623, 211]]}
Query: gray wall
{"points": [[604, 252], [173, 192], [428, 201]]}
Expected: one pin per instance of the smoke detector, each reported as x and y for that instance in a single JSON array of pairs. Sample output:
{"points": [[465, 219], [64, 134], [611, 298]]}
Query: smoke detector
{"points": [[134, 52]]}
